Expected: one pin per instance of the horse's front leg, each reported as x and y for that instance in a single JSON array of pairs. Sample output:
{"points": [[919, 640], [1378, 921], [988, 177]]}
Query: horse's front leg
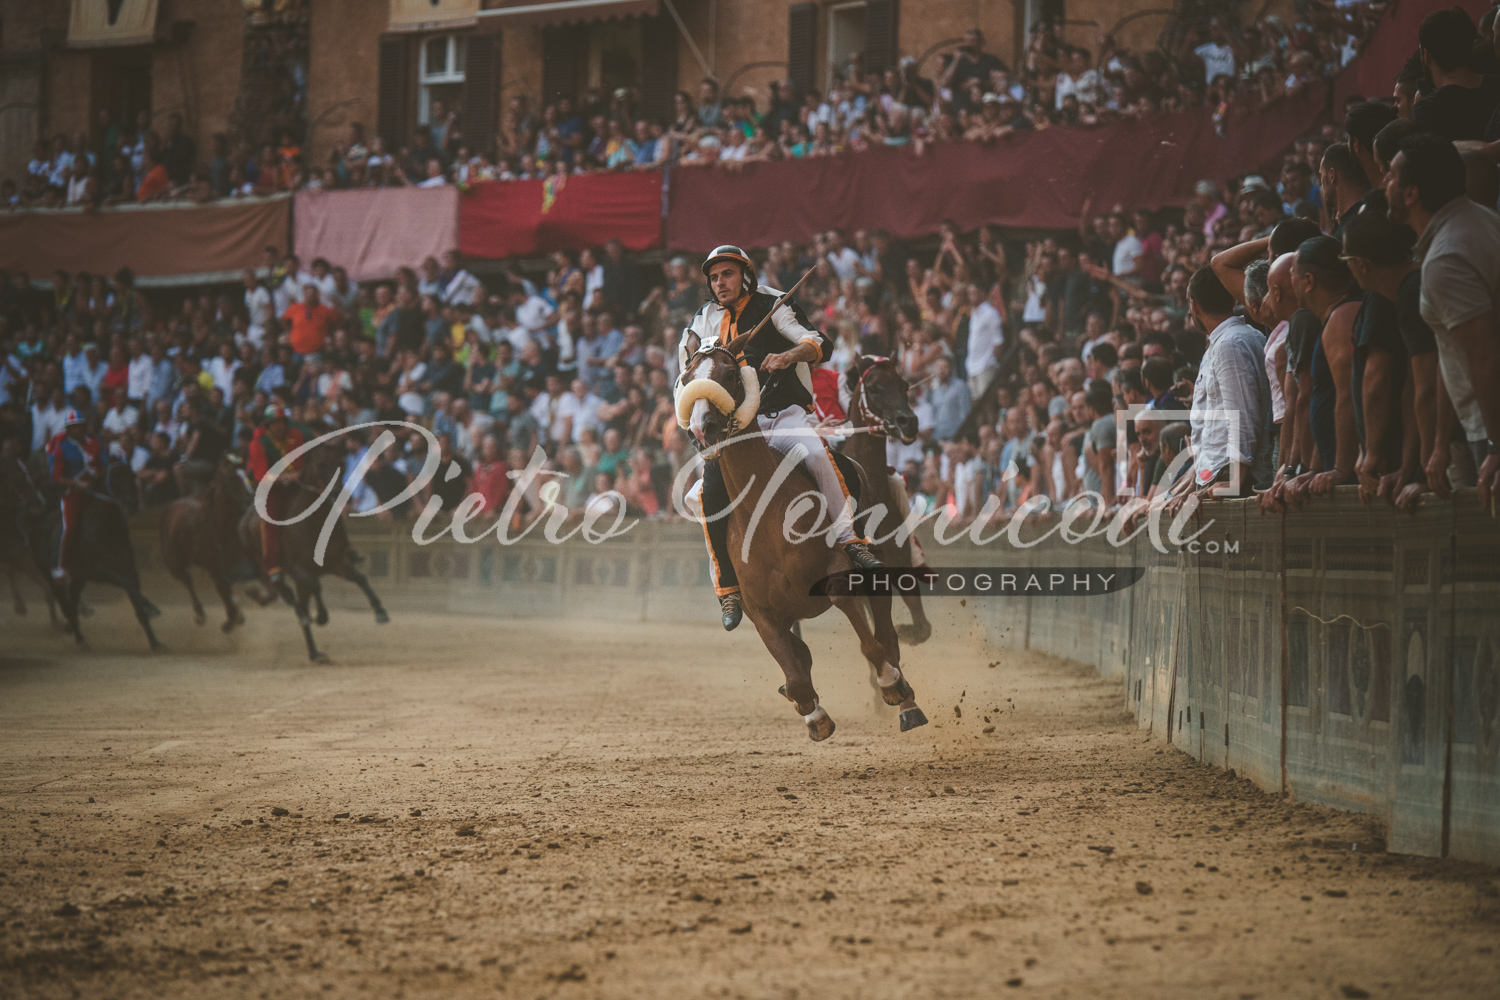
{"points": [[795, 660]]}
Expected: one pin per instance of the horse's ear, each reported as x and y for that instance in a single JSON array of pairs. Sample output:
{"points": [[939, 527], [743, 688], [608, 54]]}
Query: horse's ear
{"points": [[737, 345]]}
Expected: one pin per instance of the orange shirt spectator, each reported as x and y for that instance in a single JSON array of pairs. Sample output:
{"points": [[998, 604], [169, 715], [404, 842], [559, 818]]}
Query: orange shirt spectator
{"points": [[309, 321], [153, 184]]}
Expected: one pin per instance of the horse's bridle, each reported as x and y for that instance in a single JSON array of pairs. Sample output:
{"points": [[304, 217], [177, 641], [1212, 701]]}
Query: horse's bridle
{"points": [[705, 352], [876, 425]]}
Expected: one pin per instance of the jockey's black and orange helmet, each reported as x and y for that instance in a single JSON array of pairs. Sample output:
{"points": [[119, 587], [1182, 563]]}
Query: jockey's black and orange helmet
{"points": [[740, 257]]}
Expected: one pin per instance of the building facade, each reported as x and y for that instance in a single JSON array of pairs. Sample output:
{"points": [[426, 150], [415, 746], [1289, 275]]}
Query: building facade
{"points": [[301, 71]]}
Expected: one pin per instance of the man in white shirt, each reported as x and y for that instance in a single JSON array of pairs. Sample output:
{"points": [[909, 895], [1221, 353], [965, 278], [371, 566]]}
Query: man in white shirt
{"points": [[967, 469], [986, 338], [1128, 249], [544, 409], [121, 416], [1217, 53], [1231, 412], [577, 410], [458, 284], [94, 370], [139, 372], [844, 258], [322, 276], [1078, 80], [532, 311], [47, 419]]}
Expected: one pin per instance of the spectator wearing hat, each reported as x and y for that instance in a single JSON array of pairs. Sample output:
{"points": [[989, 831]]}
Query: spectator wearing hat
{"points": [[1459, 246]]}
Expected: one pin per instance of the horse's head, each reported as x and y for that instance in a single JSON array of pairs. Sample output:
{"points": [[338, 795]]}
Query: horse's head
{"points": [[717, 396], [235, 478], [878, 398]]}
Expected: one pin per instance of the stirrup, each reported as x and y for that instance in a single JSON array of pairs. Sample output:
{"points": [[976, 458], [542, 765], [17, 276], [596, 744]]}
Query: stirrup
{"points": [[862, 556], [732, 609]]}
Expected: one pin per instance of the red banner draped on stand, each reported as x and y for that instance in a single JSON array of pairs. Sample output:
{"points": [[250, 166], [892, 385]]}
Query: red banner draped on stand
{"points": [[1037, 179], [502, 219]]}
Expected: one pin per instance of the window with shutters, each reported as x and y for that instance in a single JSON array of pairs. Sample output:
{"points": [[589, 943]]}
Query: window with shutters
{"points": [[440, 75], [802, 51], [846, 37]]}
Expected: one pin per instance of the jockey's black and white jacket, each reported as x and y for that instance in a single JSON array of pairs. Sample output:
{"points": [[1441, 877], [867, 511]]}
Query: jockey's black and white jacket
{"points": [[714, 324]]}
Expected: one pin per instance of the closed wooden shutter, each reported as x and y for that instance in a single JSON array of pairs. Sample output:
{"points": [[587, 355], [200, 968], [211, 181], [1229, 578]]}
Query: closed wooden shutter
{"points": [[481, 91], [880, 34], [802, 45], [393, 90], [658, 67], [561, 46]]}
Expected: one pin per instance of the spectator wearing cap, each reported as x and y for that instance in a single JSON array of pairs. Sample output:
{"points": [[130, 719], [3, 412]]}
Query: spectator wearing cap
{"points": [[1459, 246], [1231, 396], [1462, 100]]}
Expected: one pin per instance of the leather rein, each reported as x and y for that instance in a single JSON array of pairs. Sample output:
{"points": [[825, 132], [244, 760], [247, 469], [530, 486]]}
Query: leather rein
{"points": [[873, 423]]}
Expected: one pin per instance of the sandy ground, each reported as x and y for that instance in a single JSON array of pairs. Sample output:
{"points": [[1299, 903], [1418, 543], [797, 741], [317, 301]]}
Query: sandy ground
{"points": [[459, 807]]}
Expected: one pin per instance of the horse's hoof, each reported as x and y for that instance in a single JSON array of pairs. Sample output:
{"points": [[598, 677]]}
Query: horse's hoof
{"points": [[20, 608], [911, 719], [322, 618], [198, 618], [898, 692], [228, 626], [381, 618], [158, 647], [819, 725], [323, 659], [913, 635]]}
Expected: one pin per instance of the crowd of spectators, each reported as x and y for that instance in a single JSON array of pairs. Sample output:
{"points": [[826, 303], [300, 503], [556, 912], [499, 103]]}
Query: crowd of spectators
{"points": [[1343, 313], [971, 94]]}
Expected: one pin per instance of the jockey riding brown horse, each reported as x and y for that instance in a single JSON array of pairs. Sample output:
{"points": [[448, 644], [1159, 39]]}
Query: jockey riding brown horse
{"points": [[878, 408], [204, 531], [718, 400]]}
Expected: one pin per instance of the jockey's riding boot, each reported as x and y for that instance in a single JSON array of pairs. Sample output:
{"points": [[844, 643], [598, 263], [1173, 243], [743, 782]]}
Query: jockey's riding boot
{"points": [[862, 556], [733, 609]]}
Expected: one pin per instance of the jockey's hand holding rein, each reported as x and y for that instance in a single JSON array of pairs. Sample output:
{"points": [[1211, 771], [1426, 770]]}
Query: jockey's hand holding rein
{"points": [[806, 351]]}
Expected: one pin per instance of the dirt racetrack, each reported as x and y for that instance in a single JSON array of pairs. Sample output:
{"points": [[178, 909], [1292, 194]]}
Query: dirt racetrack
{"points": [[467, 807]]}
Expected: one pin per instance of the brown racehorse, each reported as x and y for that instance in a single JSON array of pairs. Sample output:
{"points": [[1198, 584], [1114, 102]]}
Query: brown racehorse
{"points": [[777, 582], [299, 543], [204, 531], [878, 407]]}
